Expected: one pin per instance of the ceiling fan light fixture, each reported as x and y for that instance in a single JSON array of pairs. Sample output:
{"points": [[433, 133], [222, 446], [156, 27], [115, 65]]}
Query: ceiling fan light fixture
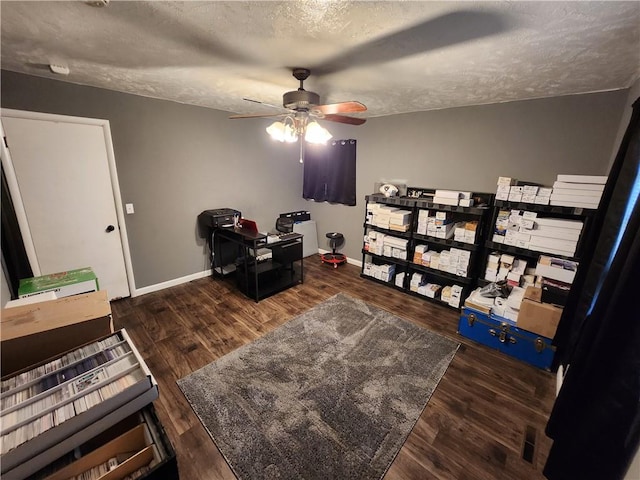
{"points": [[315, 133], [282, 132]]}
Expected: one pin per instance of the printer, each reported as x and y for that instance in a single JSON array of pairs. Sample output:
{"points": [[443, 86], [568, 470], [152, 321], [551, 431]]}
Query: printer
{"points": [[223, 253], [217, 218]]}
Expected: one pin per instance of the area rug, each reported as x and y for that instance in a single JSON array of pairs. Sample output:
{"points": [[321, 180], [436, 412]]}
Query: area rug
{"points": [[331, 394]]}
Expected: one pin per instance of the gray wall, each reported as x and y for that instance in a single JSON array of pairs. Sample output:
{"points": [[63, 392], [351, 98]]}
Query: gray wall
{"points": [[176, 160], [469, 148]]}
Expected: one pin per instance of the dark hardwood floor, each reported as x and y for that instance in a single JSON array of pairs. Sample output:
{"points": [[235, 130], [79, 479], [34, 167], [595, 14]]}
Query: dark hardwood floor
{"points": [[472, 428]]}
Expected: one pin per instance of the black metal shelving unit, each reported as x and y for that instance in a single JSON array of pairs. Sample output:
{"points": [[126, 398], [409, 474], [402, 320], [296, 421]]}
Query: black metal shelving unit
{"points": [[549, 211], [481, 213]]}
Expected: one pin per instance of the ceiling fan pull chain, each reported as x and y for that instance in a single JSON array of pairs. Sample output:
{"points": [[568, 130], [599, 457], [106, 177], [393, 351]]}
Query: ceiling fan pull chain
{"points": [[301, 140]]}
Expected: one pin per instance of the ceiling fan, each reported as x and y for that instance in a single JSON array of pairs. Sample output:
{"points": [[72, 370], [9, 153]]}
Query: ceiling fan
{"points": [[302, 107]]}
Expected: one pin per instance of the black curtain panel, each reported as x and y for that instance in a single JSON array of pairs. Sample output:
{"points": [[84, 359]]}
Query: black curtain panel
{"points": [[330, 172], [595, 421], [15, 260]]}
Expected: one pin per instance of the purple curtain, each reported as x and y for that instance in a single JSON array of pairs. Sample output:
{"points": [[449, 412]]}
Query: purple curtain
{"points": [[330, 172]]}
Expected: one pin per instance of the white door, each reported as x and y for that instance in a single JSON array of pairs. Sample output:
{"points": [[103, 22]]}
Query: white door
{"points": [[64, 184]]}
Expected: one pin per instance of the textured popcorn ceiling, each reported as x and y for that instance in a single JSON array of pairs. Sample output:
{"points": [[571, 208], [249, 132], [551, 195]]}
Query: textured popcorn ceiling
{"points": [[394, 57]]}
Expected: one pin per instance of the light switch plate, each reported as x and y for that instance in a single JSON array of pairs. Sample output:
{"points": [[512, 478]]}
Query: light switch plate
{"points": [[129, 208]]}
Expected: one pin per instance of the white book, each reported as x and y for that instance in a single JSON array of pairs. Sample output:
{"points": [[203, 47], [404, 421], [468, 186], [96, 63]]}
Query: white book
{"points": [[597, 179], [578, 186]]}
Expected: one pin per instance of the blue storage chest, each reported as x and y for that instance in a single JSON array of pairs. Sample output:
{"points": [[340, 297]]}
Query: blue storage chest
{"points": [[503, 335]]}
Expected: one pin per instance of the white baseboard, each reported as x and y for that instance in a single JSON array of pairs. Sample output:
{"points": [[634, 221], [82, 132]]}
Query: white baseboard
{"points": [[170, 283], [195, 276]]}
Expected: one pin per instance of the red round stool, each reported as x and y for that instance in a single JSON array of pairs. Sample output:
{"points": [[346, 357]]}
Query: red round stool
{"points": [[335, 240]]}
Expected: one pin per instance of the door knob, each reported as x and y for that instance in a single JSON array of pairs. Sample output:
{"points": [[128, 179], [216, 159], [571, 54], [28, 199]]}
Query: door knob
{"points": [[110, 228]]}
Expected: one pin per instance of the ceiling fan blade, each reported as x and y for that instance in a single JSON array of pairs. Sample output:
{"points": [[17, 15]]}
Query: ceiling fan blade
{"points": [[343, 107], [262, 103], [345, 119], [444, 30], [257, 115]]}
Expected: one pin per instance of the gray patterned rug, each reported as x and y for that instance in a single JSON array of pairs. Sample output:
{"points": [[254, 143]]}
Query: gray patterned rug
{"points": [[331, 394]]}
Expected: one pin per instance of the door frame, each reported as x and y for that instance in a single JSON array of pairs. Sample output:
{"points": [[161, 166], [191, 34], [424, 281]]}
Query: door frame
{"points": [[14, 188]]}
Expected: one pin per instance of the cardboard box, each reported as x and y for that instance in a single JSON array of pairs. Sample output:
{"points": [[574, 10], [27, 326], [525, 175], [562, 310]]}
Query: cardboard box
{"points": [[533, 293], [136, 445], [540, 318], [64, 284], [32, 333], [506, 181]]}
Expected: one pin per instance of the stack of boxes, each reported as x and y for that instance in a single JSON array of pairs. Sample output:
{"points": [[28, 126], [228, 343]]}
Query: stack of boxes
{"points": [[400, 220], [537, 316], [442, 225], [439, 225], [465, 232], [383, 272], [525, 229], [451, 294], [395, 247], [507, 267], [556, 276], [381, 244], [568, 191], [537, 296], [578, 190], [423, 222], [454, 261], [390, 218], [453, 197], [510, 190], [555, 235]]}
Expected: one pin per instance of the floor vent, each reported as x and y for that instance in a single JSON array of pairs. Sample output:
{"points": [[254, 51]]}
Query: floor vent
{"points": [[529, 444]]}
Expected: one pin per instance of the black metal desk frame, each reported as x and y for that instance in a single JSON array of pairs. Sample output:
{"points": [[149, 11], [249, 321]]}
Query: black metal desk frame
{"points": [[278, 273]]}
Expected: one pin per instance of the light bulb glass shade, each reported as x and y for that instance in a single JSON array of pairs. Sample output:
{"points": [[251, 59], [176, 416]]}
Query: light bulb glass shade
{"points": [[282, 132], [317, 134]]}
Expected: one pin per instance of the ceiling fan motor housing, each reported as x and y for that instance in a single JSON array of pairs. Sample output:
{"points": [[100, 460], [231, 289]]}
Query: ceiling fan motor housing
{"points": [[300, 99]]}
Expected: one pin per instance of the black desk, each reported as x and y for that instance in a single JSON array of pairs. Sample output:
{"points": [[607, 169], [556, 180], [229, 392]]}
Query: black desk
{"points": [[258, 278]]}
